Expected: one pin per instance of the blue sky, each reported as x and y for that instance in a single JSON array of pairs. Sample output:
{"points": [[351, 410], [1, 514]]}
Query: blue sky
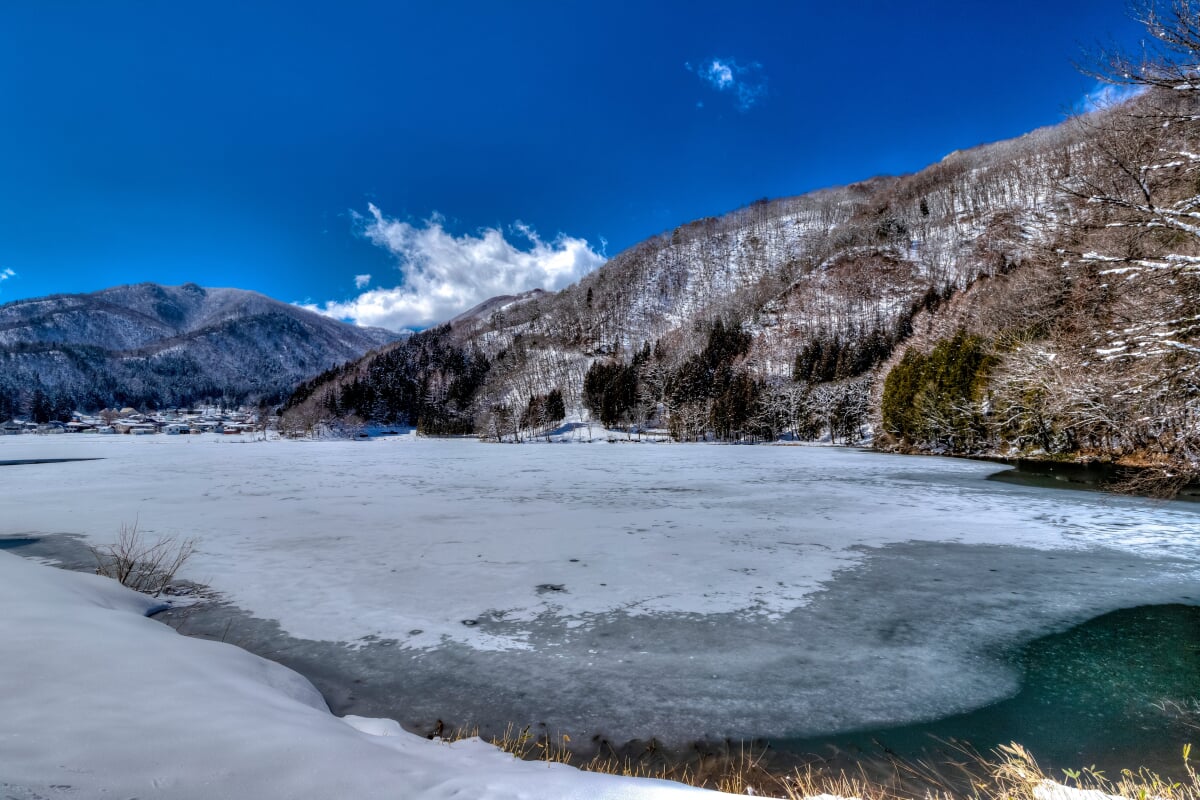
{"points": [[393, 162]]}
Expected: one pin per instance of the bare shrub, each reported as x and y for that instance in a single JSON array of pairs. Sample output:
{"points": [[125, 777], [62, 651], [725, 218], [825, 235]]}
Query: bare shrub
{"points": [[1162, 482], [141, 564]]}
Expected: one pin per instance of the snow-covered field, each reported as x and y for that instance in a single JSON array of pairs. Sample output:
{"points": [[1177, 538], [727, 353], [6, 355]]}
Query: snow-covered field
{"points": [[634, 590]]}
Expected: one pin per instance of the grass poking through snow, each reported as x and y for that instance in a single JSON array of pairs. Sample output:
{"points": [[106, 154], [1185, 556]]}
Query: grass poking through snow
{"points": [[1010, 773]]}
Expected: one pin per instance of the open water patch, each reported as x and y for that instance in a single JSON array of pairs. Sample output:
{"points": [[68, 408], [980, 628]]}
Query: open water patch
{"points": [[1118, 691], [25, 462], [66, 550], [16, 542], [1094, 477]]}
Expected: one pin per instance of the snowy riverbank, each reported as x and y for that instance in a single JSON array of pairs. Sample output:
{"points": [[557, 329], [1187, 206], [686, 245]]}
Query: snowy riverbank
{"points": [[100, 700]]}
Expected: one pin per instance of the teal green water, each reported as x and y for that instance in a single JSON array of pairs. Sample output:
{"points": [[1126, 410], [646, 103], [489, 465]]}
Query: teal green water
{"points": [[1118, 691]]}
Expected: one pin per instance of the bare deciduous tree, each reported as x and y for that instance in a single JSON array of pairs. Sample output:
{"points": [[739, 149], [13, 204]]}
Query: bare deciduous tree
{"points": [[1142, 244]]}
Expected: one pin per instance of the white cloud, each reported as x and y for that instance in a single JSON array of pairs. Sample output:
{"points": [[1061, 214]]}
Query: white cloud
{"points": [[1105, 95], [7, 273], [361, 281], [718, 74], [746, 83], [443, 275]]}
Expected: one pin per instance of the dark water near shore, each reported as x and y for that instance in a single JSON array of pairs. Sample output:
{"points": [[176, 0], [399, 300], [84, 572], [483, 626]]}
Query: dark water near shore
{"points": [[1121, 690], [24, 462], [68, 551], [1093, 477]]}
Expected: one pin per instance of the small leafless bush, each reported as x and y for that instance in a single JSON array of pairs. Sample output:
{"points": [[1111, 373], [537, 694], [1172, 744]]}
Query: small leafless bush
{"points": [[141, 564], [1159, 482]]}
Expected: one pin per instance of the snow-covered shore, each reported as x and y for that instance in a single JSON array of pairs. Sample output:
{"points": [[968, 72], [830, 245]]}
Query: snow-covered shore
{"points": [[98, 701]]}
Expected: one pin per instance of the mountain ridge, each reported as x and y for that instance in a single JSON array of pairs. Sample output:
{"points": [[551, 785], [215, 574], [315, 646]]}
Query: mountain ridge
{"points": [[139, 344]]}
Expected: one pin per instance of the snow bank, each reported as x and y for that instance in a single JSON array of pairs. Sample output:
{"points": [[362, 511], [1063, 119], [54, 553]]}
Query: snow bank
{"points": [[1050, 790], [99, 700]]}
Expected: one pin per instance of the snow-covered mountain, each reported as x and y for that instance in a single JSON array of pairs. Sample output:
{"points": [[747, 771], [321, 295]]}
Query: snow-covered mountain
{"points": [[166, 345], [847, 267], [1037, 296]]}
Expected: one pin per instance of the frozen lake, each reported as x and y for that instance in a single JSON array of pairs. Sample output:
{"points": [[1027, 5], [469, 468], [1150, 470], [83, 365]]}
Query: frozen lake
{"points": [[623, 591]]}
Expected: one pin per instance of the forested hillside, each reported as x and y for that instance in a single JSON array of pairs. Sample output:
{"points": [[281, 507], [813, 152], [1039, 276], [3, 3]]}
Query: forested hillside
{"points": [[761, 322], [1037, 296]]}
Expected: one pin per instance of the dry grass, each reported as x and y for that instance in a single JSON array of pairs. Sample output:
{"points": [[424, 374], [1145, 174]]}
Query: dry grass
{"points": [[1016, 775], [739, 771], [1010, 773]]}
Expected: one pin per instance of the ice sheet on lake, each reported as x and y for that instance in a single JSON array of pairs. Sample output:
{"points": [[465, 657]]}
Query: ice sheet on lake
{"points": [[345, 540], [441, 549]]}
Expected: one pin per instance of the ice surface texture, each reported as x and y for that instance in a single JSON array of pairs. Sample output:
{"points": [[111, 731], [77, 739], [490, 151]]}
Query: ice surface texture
{"points": [[628, 590]]}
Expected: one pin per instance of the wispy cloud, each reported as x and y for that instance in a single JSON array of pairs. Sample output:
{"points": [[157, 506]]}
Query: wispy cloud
{"points": [[1105, 95], [442, 275], [361, 281], [7, 273], [746, 83]]}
